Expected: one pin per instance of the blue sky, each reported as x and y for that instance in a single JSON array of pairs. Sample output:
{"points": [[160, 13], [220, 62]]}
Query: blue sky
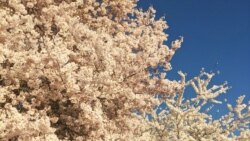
{"points": [[216, 37]]}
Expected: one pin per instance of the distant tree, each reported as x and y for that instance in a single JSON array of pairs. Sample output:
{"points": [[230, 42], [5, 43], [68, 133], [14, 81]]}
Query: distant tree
{"points": [[88, 70], [189, 119]]}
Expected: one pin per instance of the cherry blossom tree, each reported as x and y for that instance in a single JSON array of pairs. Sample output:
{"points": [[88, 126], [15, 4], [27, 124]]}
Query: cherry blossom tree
{"points": [[79, 70], [189, 119]]}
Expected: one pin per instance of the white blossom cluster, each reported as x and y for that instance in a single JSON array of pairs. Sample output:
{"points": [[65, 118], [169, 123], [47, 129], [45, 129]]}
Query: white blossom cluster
{"points": [[79, 68], [186, 119]]}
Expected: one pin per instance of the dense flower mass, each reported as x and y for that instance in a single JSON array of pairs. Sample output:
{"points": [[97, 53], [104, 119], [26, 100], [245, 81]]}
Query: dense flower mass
{"points": [[87, 69]]}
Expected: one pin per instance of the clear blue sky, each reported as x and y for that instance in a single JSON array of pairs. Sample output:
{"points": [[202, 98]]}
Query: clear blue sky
{"points": [[215, 31]]}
